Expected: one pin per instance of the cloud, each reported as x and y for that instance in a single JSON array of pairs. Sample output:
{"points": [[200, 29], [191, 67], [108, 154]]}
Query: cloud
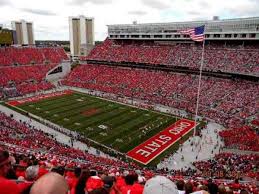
{"points": [[244, 8], [195, 13], [117, 12], [156, 4], [191, 10], [82, 2], [4, 3], [204, 4], [39, 12], [139, 13]]}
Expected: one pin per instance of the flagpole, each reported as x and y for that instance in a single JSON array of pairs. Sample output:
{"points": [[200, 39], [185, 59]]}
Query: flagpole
{"points": [[199, 84]]}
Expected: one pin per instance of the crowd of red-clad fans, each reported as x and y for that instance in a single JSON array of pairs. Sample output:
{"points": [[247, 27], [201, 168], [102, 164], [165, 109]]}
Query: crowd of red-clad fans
{"points": [[36, 163], [236, 59], [26, 137], [226, 165], [25, 79], [243, 138], [22, 74], [23, 70], [226, 101], [28, 55]]}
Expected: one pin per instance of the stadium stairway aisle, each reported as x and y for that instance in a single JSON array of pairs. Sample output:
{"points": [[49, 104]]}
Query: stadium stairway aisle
{"points": [[202, 147]]}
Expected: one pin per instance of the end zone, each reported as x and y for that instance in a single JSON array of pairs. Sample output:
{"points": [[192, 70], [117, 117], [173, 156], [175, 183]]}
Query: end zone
{"points": [[154, 146], [38, 98]]}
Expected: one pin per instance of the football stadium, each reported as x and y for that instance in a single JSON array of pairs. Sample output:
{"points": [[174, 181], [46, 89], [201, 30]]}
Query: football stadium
{"points": [[169, 107]]}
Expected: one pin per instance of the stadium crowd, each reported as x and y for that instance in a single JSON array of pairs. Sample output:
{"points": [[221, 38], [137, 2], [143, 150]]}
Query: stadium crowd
{"points": [[34, 156], [29, 88], [23, 69], [22, 74], [22, 135], [31, 55], [228, 165], [243, 138], [21, 80], [228, 102], [35, 159], [218, 58]]}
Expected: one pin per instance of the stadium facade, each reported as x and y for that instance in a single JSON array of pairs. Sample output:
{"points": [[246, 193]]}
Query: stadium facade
{"points": [[216, 29]]}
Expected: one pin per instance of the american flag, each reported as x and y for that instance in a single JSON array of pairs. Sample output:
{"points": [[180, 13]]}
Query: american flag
{"points": [[196, 34]]}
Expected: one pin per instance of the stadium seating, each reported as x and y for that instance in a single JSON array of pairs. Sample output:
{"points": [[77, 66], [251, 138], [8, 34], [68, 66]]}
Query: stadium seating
{"points": [[218, 58], [244, 138], [25, 79], [54, 55], [28, 55], [21, 74], [34, 149], [23, 137], [229, 165], [28, 88], [24, 68], [255, 122], [226, 101]]}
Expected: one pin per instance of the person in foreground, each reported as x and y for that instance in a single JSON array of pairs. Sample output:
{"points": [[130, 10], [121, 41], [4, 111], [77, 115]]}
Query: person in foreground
{"points": [[5, 167], [163, 185], [51, 183]]}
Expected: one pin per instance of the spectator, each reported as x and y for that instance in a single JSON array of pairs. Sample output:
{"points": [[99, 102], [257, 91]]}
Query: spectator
{"points": [[180, 186], [129, 181], [94, 181], [108, 186], [137, 187], [243, 191], [6, 186], [80, 186], [221, 189], [31, 174], [188, 188], [213, 188], [51, 183], [59, 169], [160, 185], [121, 180]]}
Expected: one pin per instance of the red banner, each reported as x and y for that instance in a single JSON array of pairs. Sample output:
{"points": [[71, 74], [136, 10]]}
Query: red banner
{"points": [[153, 147], [38, 98]]}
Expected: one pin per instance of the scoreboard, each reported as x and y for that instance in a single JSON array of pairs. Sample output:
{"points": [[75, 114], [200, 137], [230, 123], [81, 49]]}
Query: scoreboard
{"points": [[6, 37]]}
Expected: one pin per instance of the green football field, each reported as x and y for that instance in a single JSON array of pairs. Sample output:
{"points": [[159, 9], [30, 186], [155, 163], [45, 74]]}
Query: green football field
{"points": [[115, 125], [112, 124]]}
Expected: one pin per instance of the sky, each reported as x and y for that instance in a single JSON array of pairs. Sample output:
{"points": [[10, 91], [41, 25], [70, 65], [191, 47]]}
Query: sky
{"points": [[50, 17]]}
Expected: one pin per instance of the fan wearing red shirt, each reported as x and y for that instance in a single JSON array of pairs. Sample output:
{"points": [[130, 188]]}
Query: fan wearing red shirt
{"points": [[6, 186], [42, 169], [129, 181], [120, 180], [94, 182], [235, 185], [72, 179], [136, 187]]}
